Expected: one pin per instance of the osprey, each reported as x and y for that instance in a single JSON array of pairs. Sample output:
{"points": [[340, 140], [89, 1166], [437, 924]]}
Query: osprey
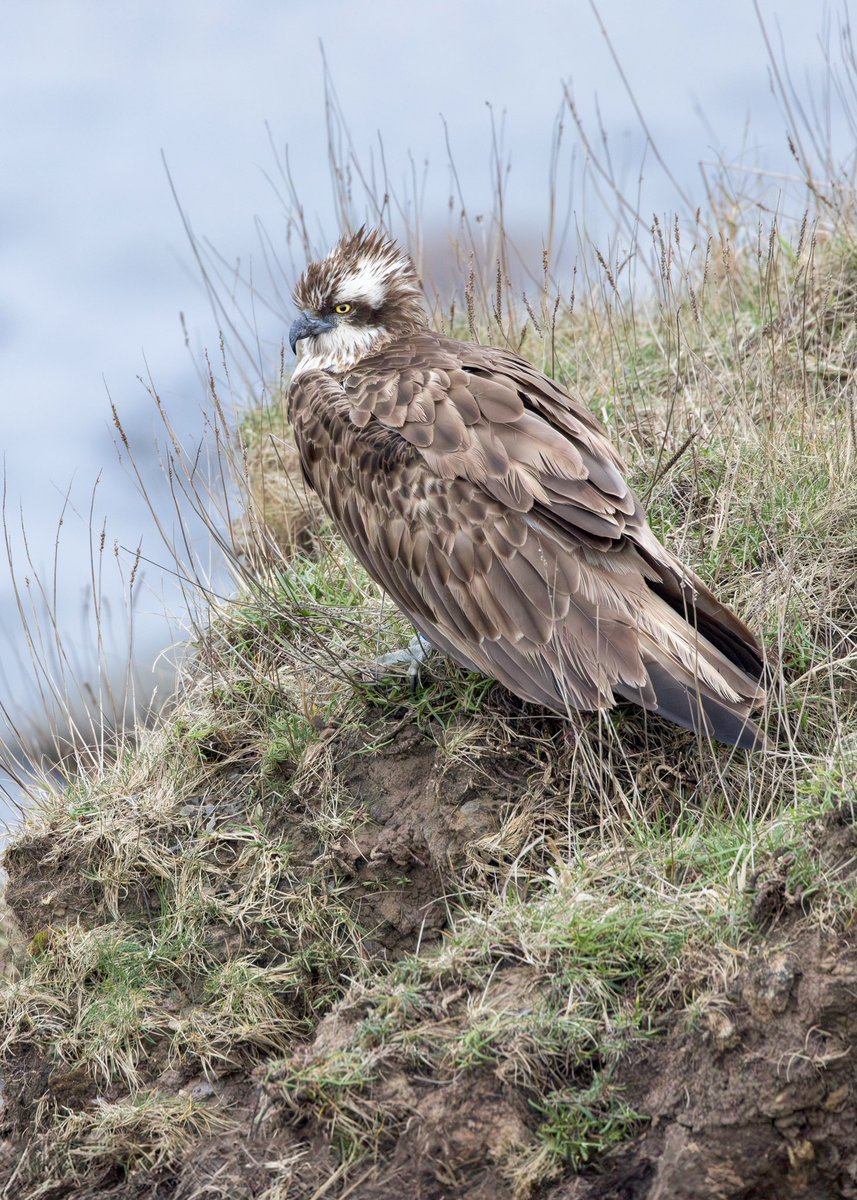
{"points": [[490, 505]]}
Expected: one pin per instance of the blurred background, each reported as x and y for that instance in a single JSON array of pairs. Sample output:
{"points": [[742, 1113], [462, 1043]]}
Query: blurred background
{"points": [[126, 127]]}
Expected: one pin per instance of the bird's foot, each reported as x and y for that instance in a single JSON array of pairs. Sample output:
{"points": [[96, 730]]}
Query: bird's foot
{"points": [[408, 662]]}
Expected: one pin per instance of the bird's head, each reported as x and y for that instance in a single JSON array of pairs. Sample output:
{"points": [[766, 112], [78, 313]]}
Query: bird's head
{"points": [[365, 293]]}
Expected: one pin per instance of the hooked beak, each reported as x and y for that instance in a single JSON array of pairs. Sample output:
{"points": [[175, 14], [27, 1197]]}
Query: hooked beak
{"points": [[306, 325]]}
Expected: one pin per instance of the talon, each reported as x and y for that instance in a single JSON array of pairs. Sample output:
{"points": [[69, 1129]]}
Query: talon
{"points": [[409, 661]]}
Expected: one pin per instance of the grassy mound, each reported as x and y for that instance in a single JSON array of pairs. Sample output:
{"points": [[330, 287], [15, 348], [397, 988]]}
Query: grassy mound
{"points": [[313, 936]]}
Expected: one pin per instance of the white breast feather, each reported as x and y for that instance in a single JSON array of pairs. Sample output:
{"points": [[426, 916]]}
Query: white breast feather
{"points": [[339, 349]]}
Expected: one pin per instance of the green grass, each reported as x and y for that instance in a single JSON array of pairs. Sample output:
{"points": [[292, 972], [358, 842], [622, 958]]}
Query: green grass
{"points": [[578, 1125]]}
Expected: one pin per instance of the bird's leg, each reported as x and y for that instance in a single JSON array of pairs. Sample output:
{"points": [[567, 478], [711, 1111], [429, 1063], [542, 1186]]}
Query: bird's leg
{"points": [[409, 661]]}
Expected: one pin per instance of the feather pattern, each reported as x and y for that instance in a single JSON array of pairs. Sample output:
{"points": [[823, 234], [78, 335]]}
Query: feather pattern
{"points": [[490, 505]]}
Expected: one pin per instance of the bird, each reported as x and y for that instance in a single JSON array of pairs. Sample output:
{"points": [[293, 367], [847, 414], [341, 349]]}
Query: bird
{"points": [[490, 505]]}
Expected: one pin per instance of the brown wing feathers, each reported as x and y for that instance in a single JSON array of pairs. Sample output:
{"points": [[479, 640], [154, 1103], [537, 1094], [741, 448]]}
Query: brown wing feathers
{"points": [[494, 511]]}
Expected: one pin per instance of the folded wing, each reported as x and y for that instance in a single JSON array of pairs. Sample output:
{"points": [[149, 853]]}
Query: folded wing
{"points": [[495, 512]]}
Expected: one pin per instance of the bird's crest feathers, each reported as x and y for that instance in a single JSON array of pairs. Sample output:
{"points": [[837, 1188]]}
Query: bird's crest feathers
{"points": [[366, 269]]}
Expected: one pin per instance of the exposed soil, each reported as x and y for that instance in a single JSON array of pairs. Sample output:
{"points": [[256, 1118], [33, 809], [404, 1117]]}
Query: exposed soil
{"points": [[420, 812], [42, 890], [754, 1100], [758, 1102]]}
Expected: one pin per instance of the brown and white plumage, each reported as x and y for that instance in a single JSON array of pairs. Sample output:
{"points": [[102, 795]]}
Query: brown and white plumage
{"points": [[491, 507]]}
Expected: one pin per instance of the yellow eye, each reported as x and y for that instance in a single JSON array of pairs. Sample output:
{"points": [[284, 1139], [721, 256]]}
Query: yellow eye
{"points": [[342, 309]]}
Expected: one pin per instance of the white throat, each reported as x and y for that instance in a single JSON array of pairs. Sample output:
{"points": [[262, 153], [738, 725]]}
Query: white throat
{"points": [[339, 349]]}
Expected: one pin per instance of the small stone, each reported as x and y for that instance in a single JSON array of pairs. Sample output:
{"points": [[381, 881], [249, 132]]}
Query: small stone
{"points": [[721, 1028], [791, 1100], [837, 1098], [767, 986]]}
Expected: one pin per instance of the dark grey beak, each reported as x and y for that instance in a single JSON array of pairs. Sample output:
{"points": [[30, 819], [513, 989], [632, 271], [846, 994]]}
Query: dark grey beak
{"points": [[306, 325]]}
